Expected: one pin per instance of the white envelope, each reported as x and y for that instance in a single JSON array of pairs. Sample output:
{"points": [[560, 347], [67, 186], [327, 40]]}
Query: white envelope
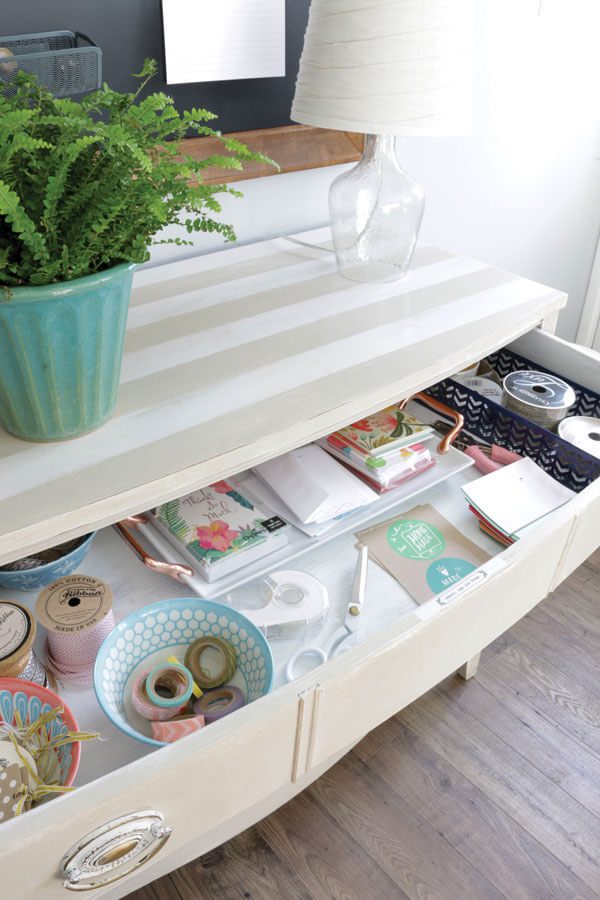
{"points": [[313, 485]]}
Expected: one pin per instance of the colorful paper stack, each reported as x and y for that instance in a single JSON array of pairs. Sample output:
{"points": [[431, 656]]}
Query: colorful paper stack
{"points": [[509, 501], [384, 449]]}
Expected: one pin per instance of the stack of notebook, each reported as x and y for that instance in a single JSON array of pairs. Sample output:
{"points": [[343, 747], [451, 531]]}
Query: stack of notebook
{"points": [[219, 529], [507, 502], [383, 449]]}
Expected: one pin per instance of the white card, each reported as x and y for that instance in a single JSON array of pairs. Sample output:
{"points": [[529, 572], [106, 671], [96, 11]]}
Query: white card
{"points": [[516, 495], [219, 40], [313, 485]]}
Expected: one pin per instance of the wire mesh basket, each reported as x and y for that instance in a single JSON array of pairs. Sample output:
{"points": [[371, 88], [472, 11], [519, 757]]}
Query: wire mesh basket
{"points": [[66, 62], [494, 424]]}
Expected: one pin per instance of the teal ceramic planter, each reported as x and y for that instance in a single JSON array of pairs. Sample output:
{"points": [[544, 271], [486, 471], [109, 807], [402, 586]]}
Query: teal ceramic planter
{"points": [[61, 347]]}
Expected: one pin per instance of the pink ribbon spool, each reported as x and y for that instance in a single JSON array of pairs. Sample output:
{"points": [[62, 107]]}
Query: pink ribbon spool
{"points": [[76, 612]]}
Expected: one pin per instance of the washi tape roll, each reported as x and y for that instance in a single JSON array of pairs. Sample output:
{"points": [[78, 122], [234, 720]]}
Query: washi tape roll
{"points": [[17, 634], [220, 702], [538, 396], [176, 728], [583, 432], [169, 685], [227, 661], [144, 705], [76, 612]]}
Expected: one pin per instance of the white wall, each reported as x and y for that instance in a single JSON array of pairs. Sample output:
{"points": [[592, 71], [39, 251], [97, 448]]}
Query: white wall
{"points": [[523, 191]]}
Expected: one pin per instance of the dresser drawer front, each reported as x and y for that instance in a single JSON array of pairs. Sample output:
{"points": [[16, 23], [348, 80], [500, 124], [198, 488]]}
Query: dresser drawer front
{"points": [[197, 786], [366, 686]]}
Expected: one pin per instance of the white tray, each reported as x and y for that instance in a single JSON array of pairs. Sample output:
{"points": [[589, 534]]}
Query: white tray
{"points": [[446, 466]]}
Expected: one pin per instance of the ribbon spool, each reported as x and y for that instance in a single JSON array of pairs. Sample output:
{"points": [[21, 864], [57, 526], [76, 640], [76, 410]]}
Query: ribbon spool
{"points": [[17, 634], [538, 396], [76, 612], [219, 703], [202, 676], [582, 432]]}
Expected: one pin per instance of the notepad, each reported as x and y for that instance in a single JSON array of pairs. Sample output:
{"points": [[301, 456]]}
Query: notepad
{"points": [[220, 40]]}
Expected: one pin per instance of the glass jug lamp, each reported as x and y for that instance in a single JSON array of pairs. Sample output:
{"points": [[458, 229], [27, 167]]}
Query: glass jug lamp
{"points": [[398, 68]]}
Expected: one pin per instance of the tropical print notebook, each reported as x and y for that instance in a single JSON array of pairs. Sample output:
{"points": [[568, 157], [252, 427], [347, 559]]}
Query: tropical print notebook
{"points": [[382, 432], [219, 523]]}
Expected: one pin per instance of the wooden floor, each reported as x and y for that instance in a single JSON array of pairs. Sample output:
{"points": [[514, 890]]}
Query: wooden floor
{"points": [[481, 789]]}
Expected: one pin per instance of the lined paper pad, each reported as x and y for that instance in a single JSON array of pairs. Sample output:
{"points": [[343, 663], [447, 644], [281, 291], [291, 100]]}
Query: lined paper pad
{"points": [[220, 40]]}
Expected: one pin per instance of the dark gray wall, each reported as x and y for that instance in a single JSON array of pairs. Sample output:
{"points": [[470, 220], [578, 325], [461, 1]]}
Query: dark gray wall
{"points": [[129, 30]]}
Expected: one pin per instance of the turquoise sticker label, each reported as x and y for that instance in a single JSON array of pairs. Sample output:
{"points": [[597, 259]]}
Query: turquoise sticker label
{"points": [[415, 539], [445, 572]]}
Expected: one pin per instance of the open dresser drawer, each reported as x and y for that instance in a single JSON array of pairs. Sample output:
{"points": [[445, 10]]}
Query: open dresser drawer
{"points": [[211, 785]]}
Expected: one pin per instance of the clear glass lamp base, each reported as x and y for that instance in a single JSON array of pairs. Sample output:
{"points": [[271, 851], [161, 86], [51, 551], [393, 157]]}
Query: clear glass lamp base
{"points": [[375, 211]]}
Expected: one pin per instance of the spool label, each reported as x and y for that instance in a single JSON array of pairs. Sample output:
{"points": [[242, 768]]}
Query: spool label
{"points": [[73, 603], [14, 629]]}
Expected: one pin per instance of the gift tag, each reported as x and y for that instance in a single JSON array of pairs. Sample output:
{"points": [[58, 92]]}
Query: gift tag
{"points": [[13, 775]]}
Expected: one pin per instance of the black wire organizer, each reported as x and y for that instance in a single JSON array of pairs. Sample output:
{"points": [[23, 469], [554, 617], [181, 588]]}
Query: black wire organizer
{"points": [[492, 423], [68, 63]]}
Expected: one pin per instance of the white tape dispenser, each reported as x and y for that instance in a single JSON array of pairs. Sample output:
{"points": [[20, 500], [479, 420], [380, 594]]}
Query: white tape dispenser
{"points": [[297, 604]]}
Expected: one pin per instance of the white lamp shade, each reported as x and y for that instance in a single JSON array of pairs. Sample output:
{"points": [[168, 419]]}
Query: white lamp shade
{"points": [[387, 67]]}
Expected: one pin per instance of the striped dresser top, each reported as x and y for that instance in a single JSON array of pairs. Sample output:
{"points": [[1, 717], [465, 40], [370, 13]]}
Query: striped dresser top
{"points": [[243, 354]]}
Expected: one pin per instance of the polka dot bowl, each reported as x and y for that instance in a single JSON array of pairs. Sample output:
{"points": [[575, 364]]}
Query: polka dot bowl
{"points": [[150, 635], [31, 701]]}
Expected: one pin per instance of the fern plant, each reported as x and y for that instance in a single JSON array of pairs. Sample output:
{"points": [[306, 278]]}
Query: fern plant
{"points": [[86, 185]]}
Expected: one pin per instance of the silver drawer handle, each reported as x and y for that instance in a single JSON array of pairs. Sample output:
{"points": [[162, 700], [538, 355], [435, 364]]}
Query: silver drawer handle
{"points": [[114, 850]]}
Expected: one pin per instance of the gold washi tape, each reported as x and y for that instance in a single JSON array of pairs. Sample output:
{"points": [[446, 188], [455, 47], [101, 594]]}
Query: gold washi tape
{"points": [[202, 676]]}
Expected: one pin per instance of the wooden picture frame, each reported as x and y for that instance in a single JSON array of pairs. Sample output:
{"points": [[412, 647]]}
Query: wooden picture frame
{"points": [[293, 147]]}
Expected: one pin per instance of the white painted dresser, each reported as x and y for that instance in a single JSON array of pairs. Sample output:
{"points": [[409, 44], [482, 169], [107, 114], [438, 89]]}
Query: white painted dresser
{"points": [[231, 359]]}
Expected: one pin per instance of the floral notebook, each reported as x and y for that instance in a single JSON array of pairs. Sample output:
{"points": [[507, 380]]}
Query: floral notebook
{"points": [[382, 432], [219, 529]]}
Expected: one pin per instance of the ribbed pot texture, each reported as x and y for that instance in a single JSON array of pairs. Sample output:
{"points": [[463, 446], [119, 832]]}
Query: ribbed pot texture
{"points": [[61, 347]]}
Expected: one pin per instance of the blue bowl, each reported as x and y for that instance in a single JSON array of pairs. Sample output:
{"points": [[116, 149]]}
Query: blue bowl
{"points": [[151, 634], [34, 579]]}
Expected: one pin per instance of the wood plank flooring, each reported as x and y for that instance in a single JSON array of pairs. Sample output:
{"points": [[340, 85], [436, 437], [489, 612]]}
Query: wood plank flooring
{"points": [[481, 789]]}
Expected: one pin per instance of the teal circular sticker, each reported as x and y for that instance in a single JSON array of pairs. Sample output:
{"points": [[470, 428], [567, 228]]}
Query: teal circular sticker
{"points": [[445, 572], [415, 539]]}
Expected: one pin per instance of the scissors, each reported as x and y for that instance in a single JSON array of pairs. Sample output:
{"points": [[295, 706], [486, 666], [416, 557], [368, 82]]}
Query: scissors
{"points": [[347, 634]]}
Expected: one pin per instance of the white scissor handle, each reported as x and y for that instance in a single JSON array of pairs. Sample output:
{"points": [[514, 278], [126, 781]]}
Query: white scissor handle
{"points": [[317, 652]]}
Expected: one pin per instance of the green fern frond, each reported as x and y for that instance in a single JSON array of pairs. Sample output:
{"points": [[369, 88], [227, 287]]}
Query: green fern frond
{"points": [[20, 223], [168, 513]]}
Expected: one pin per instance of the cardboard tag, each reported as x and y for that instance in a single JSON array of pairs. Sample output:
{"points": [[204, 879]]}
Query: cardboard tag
{"points": [[73, 603], [423, 551]]}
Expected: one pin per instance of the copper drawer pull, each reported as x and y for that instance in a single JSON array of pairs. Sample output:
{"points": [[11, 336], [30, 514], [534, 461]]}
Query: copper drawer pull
{"points": [[173, 570], [456, 417]]}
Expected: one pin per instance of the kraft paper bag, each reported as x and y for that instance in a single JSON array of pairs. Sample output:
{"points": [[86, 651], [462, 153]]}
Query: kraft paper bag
{"points": [[422, 551]]}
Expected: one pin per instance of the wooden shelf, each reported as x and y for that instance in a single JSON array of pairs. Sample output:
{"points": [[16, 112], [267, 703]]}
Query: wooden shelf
{"points": [[237, 356]]}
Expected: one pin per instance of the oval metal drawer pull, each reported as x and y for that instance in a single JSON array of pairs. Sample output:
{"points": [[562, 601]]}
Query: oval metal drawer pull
{"points": [[114, 850]]}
